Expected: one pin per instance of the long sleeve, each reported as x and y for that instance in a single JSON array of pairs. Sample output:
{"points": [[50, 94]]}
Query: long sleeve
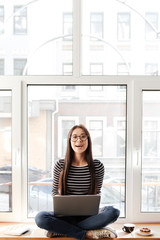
{"points": [[99, 171], [56, 174]]}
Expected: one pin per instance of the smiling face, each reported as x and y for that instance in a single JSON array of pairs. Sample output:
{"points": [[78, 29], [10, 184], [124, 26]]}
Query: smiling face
{"points": [[79, 141]]}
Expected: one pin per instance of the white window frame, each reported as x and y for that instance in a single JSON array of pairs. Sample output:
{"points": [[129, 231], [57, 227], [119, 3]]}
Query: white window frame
{"points": [[141, 83], [135, 85], [7, 83]]}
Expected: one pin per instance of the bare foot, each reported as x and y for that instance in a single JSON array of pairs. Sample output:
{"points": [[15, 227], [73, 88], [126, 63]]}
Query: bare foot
{"points": [[89, 234]]}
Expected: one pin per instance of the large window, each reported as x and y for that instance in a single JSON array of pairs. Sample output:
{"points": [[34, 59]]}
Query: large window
{"points": [[151, 153], [50, 117], [5, 153], [94, 62]]}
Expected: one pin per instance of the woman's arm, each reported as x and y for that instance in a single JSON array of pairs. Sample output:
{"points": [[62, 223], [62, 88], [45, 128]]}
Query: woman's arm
{"points": [[56, 174], [99, 171]]}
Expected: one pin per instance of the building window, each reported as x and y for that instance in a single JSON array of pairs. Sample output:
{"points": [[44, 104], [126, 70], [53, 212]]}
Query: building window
{"points": [[67, 68], [151, 69], [66, 125], [96, 131], [121, 126], [1, 19], [96, 25], [151, 27], [124, 28], [19, 66], [67, 26], [123, 69], [20, 20], [1, 66], [96, 68]]}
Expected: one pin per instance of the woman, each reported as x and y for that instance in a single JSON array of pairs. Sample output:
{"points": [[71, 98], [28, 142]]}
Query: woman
{"points": [[78, 173]]}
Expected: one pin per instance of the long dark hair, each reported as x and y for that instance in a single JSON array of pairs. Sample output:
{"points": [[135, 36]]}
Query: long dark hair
{"points": [[69, 158]]}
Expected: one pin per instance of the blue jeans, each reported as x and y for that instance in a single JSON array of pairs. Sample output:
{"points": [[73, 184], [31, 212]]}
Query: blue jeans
{"points": [[76, 226]]}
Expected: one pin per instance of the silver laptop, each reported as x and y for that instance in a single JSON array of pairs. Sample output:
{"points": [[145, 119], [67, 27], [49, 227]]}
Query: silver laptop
{"points": [[76, 205]]}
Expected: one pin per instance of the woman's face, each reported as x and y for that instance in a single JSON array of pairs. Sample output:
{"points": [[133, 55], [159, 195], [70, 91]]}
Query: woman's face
{"points": [[79, 140]]}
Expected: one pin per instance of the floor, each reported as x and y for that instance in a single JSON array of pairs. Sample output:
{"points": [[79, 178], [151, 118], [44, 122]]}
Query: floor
{"points": [[38, 234]]}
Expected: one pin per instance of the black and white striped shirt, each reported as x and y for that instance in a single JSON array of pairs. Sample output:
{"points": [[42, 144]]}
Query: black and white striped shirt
{"points": [[79, 178]]}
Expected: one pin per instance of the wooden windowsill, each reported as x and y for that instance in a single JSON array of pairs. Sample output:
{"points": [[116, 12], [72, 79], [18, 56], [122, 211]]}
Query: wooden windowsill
{"points": [[40, 234]]}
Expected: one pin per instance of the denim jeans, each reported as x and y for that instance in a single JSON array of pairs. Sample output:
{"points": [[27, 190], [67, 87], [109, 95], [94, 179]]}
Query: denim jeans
{"points": [[76, 226]]}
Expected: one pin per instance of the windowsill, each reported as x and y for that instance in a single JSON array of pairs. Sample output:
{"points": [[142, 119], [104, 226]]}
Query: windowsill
{"points": [[40, 234]]}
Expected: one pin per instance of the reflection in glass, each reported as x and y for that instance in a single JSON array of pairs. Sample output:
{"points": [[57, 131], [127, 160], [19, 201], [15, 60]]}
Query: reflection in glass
{"points": [[5, 152], [121, 30], [52, 111], [39, 32], [151, 152]]}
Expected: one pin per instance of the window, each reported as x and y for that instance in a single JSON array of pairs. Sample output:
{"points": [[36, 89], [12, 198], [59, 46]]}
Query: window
{"points": [[96, 130], [151, 69], [50, 117], [1, 66], [19, 66], [151, 26], [65, 124], [123, 69], [6, 158], [110, 82], [121, 138], [67, 69], [150, 154], [96, 25], [123, 26], [10, 205], [67, 25], [96, 69], [20, 20], [1, 19]]}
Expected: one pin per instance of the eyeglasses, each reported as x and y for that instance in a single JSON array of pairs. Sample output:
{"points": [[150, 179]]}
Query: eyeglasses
{"points": [[83, 137]]}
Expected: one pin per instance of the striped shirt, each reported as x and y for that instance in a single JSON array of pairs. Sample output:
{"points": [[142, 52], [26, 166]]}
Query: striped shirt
{"points": [[79, 178]]}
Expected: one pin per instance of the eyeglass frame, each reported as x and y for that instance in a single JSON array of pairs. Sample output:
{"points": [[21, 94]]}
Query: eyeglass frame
{"points": [[79, 138]]}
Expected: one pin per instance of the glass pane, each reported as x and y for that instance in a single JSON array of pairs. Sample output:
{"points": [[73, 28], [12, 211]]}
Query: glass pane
{"points": [[52, 111], [121, 30], [5, 153], [151, 152], [40, 32]]}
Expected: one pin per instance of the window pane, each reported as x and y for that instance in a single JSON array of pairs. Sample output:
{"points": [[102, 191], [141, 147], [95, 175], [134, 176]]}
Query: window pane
{"points": [[1, 66], [67, 26], [127, 27], [151, 152], [51, 113], [19, 66], [5, 153], [123, 26], [35, 31], [96, 25], [20, 20], [1, 19], [151, 25]]}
